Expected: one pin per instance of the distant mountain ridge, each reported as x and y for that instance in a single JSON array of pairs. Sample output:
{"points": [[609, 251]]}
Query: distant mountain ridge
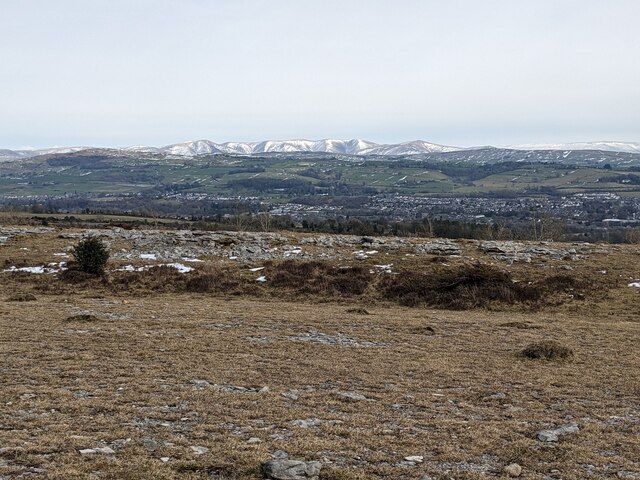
{"points": [[348, 147], [331, 146]]}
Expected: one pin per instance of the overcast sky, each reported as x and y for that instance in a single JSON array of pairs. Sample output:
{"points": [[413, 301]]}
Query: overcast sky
{"points": [[458, 72]]}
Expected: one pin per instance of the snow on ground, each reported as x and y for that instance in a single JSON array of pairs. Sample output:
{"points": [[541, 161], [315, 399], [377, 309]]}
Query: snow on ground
{"points": [[178, 266], [40, 269]]}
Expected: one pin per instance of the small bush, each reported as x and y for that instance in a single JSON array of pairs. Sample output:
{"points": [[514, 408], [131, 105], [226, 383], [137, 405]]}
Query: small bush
{"points": [[91, 256], [546, 350]]}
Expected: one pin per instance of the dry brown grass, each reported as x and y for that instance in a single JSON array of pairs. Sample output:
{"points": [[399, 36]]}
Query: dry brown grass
{"points": [[152, 375], [73, 385]]}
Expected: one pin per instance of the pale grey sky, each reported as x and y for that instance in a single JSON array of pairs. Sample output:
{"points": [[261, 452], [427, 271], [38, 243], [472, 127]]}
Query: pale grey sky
{"points": [[460, 72]]}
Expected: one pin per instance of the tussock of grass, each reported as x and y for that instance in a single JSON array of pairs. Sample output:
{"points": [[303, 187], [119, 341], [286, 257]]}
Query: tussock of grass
{"points": [[547, 350], [22, 297], [521, 325], [359, 311], [85, 318]]}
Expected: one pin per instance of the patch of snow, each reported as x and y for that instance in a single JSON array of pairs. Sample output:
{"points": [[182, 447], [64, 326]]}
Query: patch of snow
{"points": [[635, 284], [256, 269], [148, 256], [178, 266], [40, 269], [385, 268], [261, 279]]}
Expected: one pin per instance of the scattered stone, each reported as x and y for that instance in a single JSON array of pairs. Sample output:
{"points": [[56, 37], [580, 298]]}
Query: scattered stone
{"points": [[339, 340], [254, 440], [306, 423], [200, 384], [291, 470], [554, 434], [513, 470], [198, 450], [352, 396], [627, 474], [239, 389], [291, 394], [279, 454], [98, 450], [414, 458]]}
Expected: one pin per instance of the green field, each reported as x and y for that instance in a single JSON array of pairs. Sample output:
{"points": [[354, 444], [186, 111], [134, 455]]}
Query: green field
{"points": [[282, 177]]}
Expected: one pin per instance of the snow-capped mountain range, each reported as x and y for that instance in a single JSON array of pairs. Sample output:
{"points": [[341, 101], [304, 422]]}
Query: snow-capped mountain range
{"points": [[348, 147]]}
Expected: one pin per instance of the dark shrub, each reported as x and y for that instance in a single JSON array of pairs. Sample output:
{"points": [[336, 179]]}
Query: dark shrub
{"points": [[91, 255], [221, 281], [317, 277], [546, 350], [469, 286]]}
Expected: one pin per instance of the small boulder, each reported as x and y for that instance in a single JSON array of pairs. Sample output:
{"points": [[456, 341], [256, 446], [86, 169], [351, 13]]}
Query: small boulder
{"points": [[291, 470], [352, 396], [554, 434], [414, 458], [198, 450]]}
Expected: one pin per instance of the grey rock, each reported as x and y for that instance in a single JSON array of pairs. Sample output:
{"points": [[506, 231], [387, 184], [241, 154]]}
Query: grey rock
{"points": [[291, 395], [352, 396], [553, 434], [198, 450], [306, 423], [439, 247], [240, 389], [627, 474], [339, 340], [98, 450], [291, 470], [414, 458]]}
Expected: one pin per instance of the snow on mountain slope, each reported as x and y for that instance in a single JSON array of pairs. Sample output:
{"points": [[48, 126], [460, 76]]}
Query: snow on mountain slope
{"points": [[333, 146], [627, 147], [192, 149], [352, 147]]}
